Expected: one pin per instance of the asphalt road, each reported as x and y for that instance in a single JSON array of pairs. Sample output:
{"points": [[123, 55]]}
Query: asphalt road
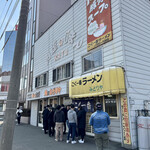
{"points": [[27, 137]]}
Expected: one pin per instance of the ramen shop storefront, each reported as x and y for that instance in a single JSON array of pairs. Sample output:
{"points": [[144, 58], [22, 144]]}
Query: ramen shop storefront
{"points": [[105, 86]]}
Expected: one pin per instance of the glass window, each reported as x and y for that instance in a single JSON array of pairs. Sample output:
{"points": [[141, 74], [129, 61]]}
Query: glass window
{"points": [[33, 31], [36, 82], [111, 105], [41, 80], [33, 38], [34, 17], [1, 107], [45, 79], [97, 59], [92, 61], [54, 75], [59, 73], [31, 65], [87, 63], [32, 52], [31, 81], [62, 72], [68, 70]]}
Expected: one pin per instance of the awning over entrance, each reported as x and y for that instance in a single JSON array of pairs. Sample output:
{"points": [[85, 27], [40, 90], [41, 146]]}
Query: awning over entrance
{"points": [[105, 82]]}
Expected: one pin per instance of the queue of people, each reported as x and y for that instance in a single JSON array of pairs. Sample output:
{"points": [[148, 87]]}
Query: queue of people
{"points": [[56, 119]]}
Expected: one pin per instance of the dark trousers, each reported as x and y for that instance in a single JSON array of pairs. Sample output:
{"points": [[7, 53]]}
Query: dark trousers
{"points": [[18, 119], [51, 130], [65, 127], [72, 131], [45, 126], [81, 132]]}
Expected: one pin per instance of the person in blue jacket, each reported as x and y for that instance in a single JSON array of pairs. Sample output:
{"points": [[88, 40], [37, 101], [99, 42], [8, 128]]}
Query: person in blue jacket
{"points": [[100, 121]]}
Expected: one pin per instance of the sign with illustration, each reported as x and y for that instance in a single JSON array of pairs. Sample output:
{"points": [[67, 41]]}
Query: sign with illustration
{"points": [[99, 23], [125, 121], [88, 104]]}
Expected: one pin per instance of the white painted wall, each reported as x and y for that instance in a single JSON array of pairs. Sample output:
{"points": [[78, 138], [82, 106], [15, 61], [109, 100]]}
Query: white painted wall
{"points": [[34, 113], [75, 19], [136, 40]]}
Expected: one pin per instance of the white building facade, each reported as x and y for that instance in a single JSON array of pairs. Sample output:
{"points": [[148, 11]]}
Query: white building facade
{"points": [[115, 71]]}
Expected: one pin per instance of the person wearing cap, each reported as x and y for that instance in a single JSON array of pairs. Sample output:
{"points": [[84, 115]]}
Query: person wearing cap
{"points": [[100, 121]]}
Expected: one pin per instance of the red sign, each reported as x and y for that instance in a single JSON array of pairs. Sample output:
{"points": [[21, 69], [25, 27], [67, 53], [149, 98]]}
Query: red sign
{"points": [[125, 121], [16, 27], [99, 23]]}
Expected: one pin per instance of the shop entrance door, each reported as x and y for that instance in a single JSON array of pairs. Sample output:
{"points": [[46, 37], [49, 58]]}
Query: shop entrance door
{"points": [[53, 102], [42, 103]]}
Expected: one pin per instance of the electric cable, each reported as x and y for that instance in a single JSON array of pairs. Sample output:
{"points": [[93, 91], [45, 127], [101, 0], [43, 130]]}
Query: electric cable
{"points": [[6, 14], [3, 9], [17, 1], [9, 36]]}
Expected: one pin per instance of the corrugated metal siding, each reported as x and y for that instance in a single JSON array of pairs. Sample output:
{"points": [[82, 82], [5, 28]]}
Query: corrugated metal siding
{"points": [[136, 35], [75, 19]]}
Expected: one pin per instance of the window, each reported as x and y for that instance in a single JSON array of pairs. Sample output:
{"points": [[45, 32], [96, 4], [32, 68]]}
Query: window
{"points": [[54, 75], [92, 61], [1, 107], [4, 87], [41, 80], [111, 105], [62, 72]]}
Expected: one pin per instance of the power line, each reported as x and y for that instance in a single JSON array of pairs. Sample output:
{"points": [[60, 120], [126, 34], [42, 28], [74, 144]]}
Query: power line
{"points": [[9, 36], [17, 1], [6, 14], [3, 9]]}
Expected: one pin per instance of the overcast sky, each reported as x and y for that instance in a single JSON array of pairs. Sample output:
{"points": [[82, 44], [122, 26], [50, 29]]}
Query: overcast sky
{"points": [[3, 9]]}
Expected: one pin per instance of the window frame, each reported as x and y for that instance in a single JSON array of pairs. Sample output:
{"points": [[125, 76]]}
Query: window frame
{"points": [[61, 68], [91, 54], [39, 80], [117, 107]]}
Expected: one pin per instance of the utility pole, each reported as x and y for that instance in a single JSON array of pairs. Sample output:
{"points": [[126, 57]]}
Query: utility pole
{"points": [[13, 93]]}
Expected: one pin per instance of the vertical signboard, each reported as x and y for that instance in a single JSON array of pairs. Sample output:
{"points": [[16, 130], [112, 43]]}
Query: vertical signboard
{"points": [[125, 121], [99, 23]]}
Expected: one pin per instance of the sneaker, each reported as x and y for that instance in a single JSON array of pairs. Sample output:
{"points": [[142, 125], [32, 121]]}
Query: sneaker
{"points": [[56, 140], [73, 142], [80, 141], [67, 141]]}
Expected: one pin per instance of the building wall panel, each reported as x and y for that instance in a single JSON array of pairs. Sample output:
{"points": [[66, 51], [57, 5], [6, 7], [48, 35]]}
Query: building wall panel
{"points": [[136, 39]]}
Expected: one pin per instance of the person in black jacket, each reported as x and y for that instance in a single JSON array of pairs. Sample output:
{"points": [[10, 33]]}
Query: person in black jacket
{"points": [[81, 116], [51, 123], [45, 119], [59, 119], [65, 113]]}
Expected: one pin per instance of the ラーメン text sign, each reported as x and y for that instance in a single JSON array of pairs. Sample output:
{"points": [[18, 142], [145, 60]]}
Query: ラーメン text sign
{"points": [[99, 23]]}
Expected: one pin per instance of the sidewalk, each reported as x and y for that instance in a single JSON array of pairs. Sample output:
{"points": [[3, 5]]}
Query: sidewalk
{"points": [[27, 137]]}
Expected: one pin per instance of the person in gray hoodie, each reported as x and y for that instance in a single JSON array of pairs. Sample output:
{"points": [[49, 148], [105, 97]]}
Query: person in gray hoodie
{"points": [[72, 118]]}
